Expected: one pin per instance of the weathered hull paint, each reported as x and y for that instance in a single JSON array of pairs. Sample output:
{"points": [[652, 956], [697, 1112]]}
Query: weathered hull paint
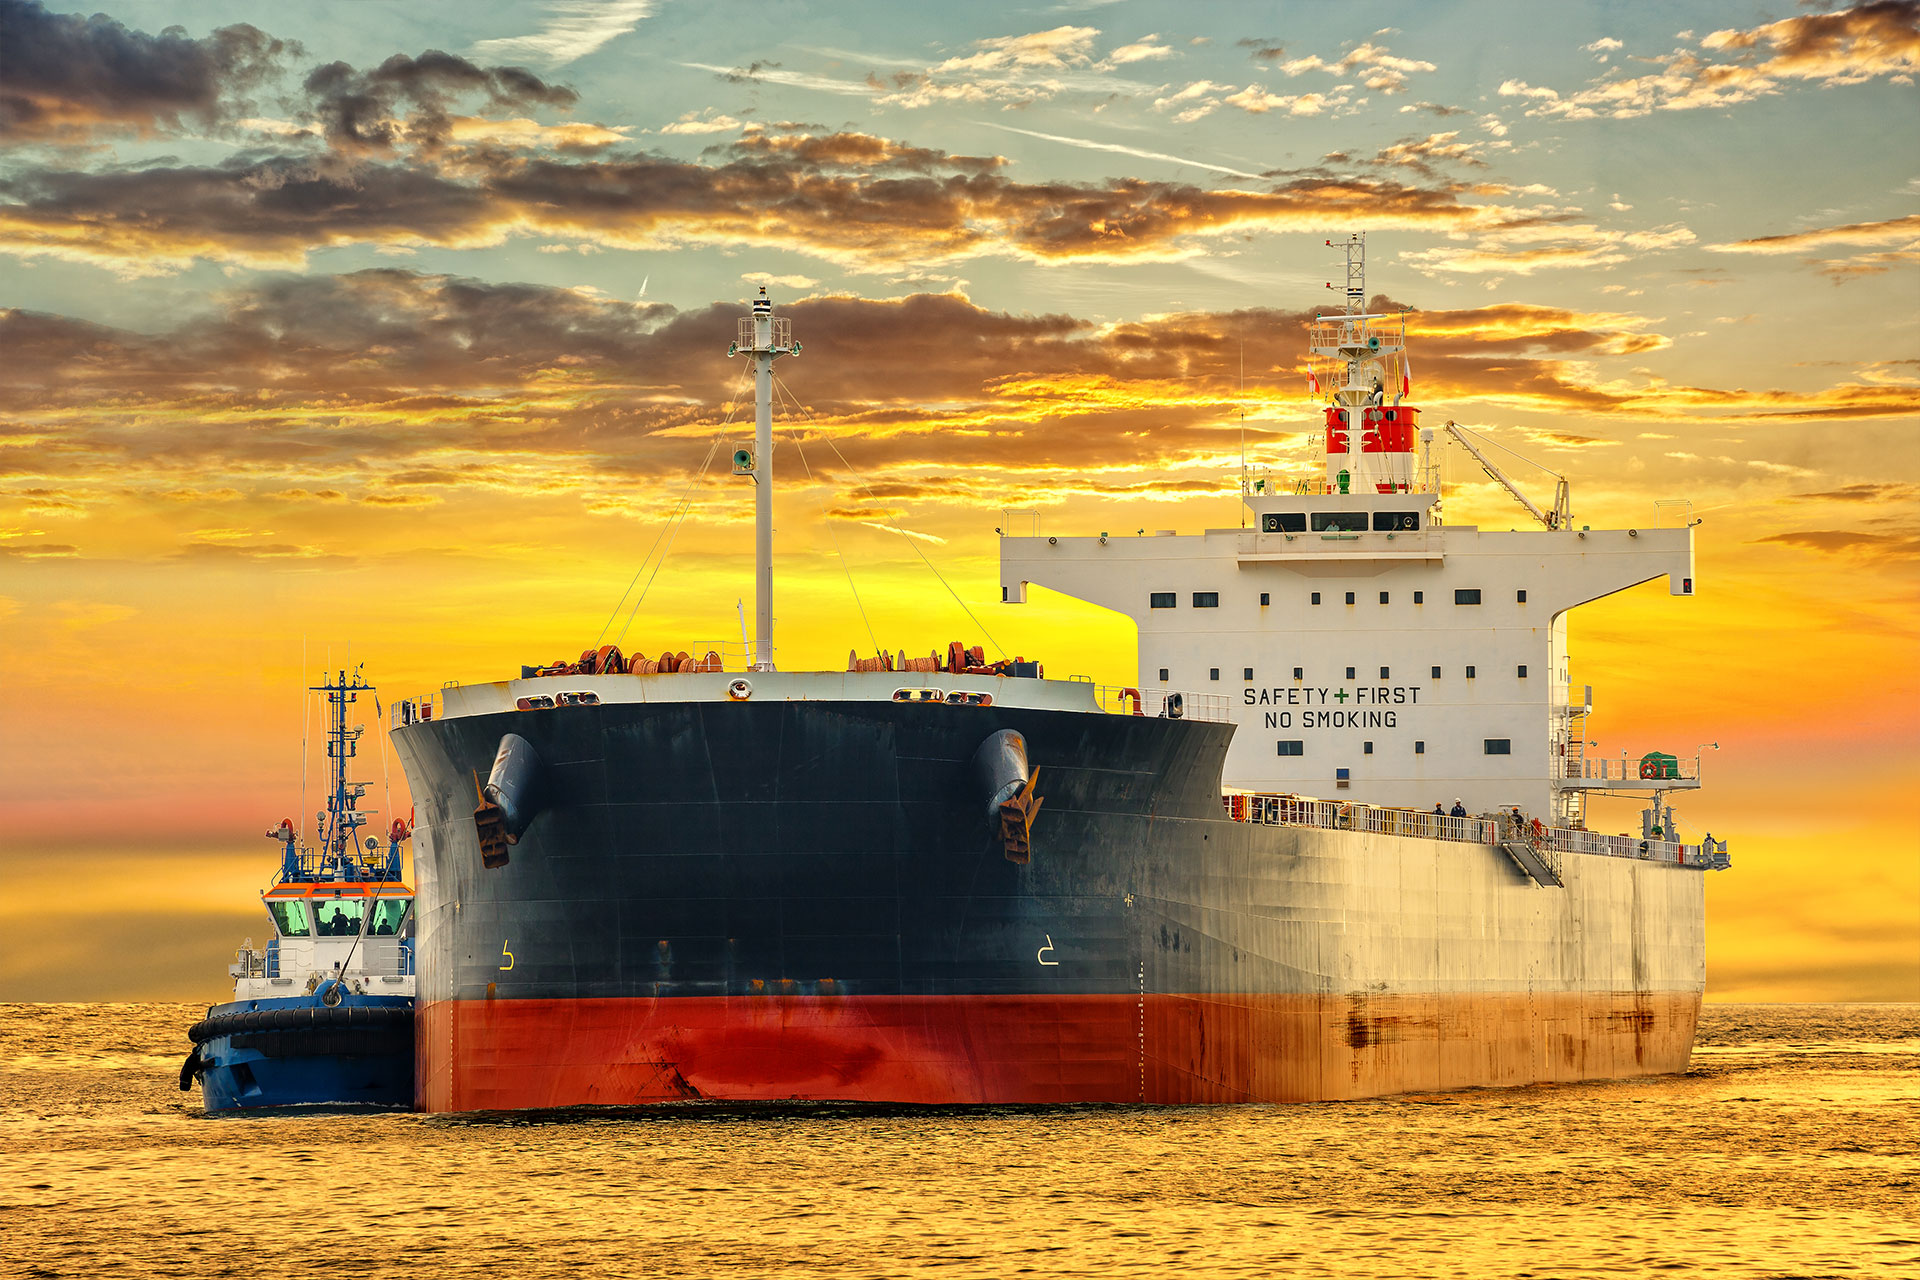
{"points": [[943, 1050], [802, 900]]}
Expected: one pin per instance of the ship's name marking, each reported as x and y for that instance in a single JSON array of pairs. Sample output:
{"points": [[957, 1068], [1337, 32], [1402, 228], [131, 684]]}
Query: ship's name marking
{"points": [[1375, 695]]}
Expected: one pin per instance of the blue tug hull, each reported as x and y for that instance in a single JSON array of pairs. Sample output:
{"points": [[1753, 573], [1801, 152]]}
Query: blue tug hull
{"points": [[297, 1051]]}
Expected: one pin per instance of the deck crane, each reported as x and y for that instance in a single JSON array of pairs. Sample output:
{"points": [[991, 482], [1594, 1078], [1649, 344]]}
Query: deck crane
{"points": [[1561, 517]]}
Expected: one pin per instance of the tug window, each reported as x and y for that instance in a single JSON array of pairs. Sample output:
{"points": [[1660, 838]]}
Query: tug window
{"points": [[1466, 595], [1283, 522], [1499, 746], [388, 913], [290, 918], [1339, 522], [339, 917], [1386, 521], [1163, 599], [1206, 599], [1292, 747]]}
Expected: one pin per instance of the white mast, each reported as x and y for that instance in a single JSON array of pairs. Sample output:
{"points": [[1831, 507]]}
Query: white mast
{"points": [[765, 339]]}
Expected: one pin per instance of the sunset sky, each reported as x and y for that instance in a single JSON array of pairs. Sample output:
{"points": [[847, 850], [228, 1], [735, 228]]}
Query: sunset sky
{"points": [[402, 328]]}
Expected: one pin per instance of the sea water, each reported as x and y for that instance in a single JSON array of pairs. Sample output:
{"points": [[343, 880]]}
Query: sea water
{"points": [[1791, 1148]]}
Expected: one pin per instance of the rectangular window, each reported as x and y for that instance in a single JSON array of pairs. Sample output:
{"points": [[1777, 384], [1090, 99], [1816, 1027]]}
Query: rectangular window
{"points": [[1469, 673], [339, 917], [1383, 597], [1247, 673], [1292, 747], [1436, 673], [1349, 673], [1419, 748], [1213, 673], [290, 918], [1163, 675], [1383, 673], [1299, 673], [387, 916], [1206, 599], [1523, 671], [1466, 595], [1283, 522], [1339, 522], [1395, 521], [1163, 599], [1349, 597], [1316, 597], [1499, 746], [1522, 597], [1419, 597], [1265, 599], [1366, 748]]}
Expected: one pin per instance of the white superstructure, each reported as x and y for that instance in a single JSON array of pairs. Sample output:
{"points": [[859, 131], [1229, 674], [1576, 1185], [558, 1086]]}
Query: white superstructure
{"points": [[1366, 649]]}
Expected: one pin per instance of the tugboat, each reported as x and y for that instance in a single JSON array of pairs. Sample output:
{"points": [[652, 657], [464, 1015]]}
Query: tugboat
{"points": [[323, 1015]]}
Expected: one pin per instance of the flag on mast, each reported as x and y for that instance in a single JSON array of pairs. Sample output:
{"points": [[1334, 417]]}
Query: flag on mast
{"points": [[1406, 375], [1313, 383]]}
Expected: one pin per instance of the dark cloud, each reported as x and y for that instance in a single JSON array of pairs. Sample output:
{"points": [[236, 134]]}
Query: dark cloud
{"points": [[848, 197], [65, 78], [1864, 492], [1901, 546], [1262, 50], [361, 112]]}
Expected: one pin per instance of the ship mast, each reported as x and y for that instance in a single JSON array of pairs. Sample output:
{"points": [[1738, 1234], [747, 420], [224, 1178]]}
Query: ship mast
{"points": [[765, 339], [343, 817]]}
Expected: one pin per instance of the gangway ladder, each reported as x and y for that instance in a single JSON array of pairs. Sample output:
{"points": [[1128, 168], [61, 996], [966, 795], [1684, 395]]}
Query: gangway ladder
{"points": [[1541, 862]]}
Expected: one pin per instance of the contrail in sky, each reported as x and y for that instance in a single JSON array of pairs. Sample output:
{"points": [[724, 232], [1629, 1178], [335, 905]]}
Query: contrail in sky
{"points": [[1091, 145]]}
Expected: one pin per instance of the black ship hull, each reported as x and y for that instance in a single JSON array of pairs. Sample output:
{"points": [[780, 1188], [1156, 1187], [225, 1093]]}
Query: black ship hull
{"points": [[804, 899]]}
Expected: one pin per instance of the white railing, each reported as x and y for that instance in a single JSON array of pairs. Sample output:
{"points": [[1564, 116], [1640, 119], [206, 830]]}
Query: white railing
{"points": [[1153, 702], [1629, 770], [1334, 815]]}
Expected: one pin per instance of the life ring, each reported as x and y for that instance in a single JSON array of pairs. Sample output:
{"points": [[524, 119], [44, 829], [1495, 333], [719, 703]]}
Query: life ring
{"points": [[1649, 768], [1135, 695], [739, 691]]}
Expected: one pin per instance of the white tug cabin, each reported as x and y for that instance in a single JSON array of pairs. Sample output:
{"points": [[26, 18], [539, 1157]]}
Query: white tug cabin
{"points": [[1368, 650]]}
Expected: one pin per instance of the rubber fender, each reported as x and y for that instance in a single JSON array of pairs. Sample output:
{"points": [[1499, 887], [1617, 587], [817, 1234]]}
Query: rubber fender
{"points": [[190, 1069], [303, 1018], [515, 784]]}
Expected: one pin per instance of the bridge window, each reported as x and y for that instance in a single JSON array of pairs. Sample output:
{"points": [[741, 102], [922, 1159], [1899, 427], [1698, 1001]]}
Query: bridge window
{"points": [[1466, 595], [388, 913], [1419, 597], [1366, 748], [1387, 521], [1499, 746], [1469, 673], [1163, 599], [1292, 747], [1213, 673], [1316, 597], [1349, 673], [1383, 673], [1265, 599], [1523, 671], [290, 918], [1383, 597], [1247, 673], [1163, 675], [1339, 522], [1283, 522], [1299, 673], [1419, 748], [339, 917], [1436, 673], [1521, 596], [1349, 597], [1206, 599]]}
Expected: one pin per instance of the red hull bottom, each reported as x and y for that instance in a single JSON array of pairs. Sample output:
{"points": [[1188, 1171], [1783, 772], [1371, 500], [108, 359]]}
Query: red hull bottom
{"points": [[481, 1055]]}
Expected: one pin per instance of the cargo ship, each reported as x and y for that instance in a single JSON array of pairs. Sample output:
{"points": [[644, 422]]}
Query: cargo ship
{"points": [[1331, 843], [322, 1014]]}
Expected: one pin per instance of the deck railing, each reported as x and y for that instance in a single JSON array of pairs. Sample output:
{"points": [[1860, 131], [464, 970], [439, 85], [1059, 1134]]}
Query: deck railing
{"points": [[1153, 702], [1334, 815], [1625, 769]]}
